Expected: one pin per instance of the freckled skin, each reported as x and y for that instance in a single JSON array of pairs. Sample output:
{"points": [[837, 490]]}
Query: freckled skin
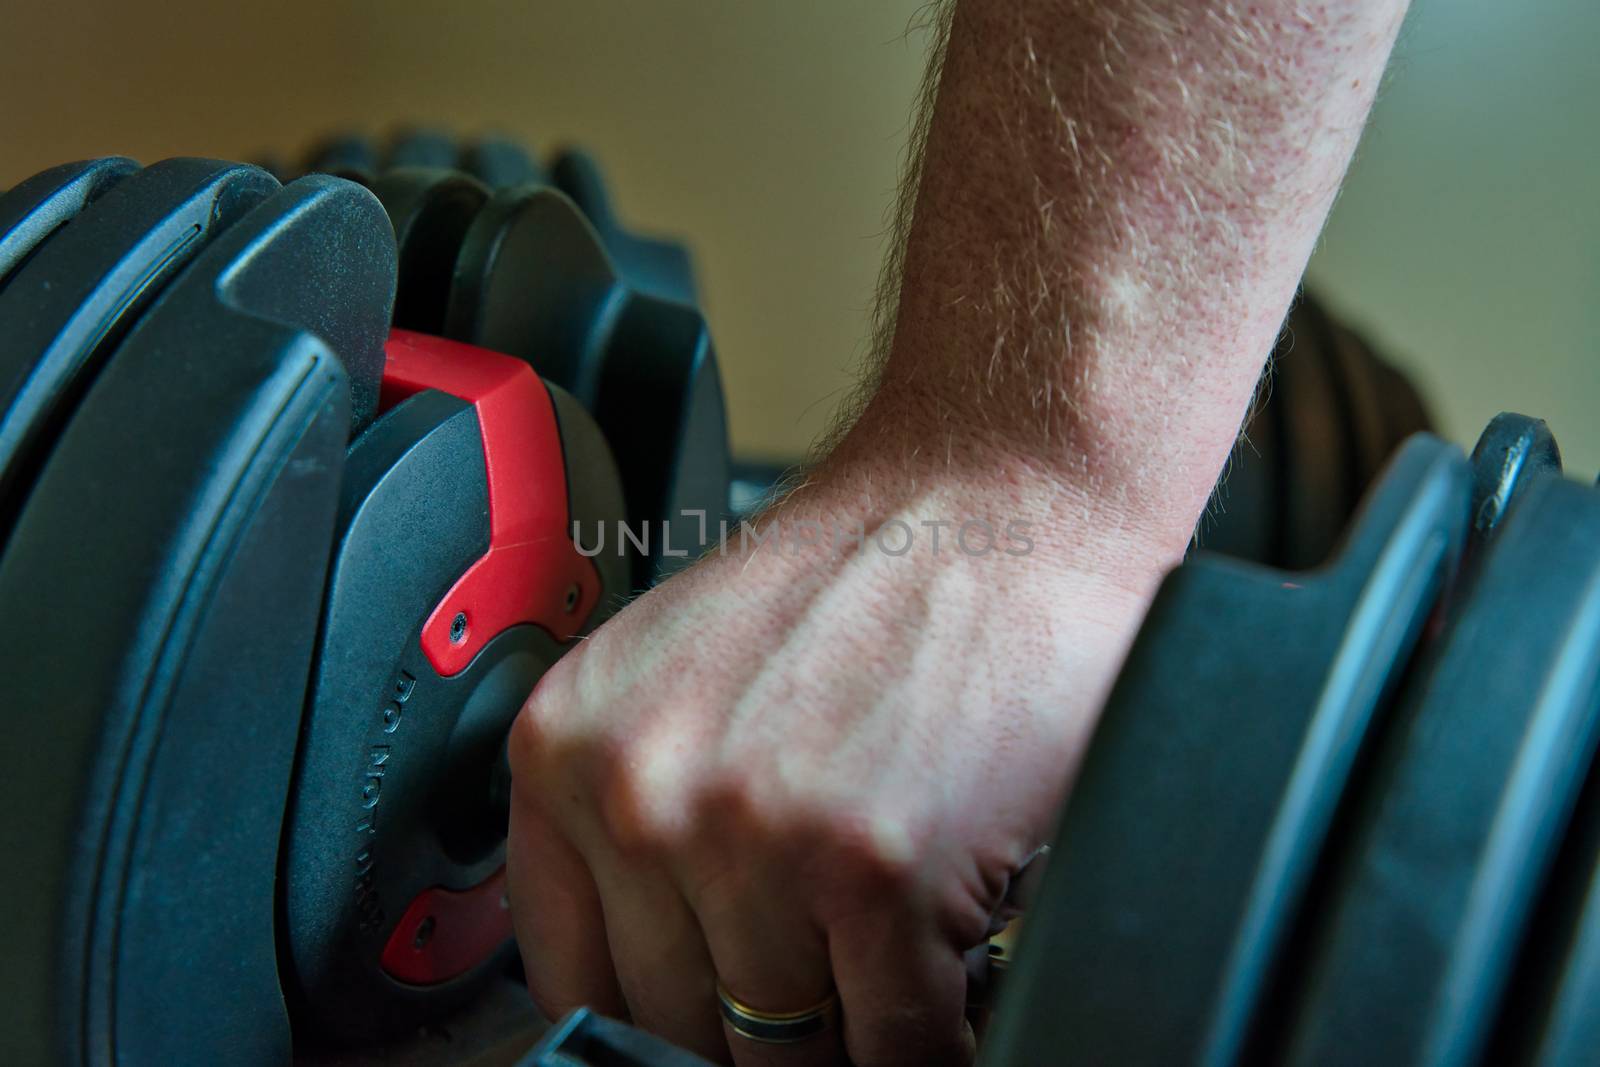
{"points": [[800, 770]]}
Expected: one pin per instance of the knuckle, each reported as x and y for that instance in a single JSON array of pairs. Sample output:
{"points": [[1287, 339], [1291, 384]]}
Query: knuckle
{"points": [[874, 854], [538, 721], [528, 739], [729, 803], [739, 809], [526, 748], [540, 730], [639, 804]]}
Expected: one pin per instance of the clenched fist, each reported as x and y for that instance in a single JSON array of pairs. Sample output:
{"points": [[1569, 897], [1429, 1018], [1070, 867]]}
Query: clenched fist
{"points": [[800, 766], [808, 767]]}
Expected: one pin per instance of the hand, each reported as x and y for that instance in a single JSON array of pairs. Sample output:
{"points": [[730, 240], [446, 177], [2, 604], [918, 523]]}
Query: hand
{"points": [[801, 770], [796, 769]]}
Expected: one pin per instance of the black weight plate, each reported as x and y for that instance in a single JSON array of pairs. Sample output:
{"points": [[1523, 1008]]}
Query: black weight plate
{"points": [[351, 319], [658, 268], [1211, 782], [596, 494], [1550, 1019], [533, 281], [67, 308], [1512, 453], [502, 164], [1460, 816], [33, 210], [431, 209], [161, 594], [660, 404]]}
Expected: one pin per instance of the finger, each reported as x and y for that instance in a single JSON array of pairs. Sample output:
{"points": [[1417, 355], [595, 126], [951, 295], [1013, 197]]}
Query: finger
{"points": [[660, 956], [903, 992], [771, 959], [557, 916]]}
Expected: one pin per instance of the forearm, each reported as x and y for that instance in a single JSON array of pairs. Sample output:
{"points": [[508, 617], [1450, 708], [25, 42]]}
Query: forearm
{"points": [[1117, 200]]}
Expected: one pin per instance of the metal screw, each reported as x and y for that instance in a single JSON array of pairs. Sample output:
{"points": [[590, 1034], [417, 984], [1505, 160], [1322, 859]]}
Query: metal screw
{"points": [[458, 628]]}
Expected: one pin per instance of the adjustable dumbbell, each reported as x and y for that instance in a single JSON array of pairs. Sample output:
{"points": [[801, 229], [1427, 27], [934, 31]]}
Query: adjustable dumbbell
{"points": [[171, 562], [216, 304], [264, 485], [1294, 839]]}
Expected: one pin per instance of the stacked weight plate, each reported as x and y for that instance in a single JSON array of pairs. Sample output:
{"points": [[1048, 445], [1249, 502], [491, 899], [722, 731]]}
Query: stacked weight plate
{"points": [[1341, 816], [658, 267], [500, 251], [200, 345]]}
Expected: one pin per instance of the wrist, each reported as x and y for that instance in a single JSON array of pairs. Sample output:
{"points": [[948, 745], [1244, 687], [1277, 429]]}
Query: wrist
{"points": [[922, 460]]}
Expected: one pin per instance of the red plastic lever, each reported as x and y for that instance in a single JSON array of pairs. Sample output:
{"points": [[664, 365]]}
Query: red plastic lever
{"points": [[444, 934], [532, 572]]}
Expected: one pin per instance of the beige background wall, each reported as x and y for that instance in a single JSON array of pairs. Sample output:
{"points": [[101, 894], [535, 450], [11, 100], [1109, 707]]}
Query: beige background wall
{"points": [[1467, 241]]}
